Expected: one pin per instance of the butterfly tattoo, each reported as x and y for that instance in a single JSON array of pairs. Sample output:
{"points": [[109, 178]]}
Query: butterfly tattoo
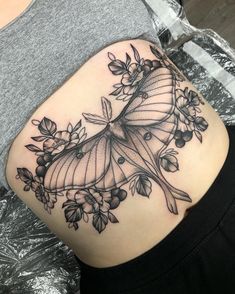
{"points": [[131, 148]]}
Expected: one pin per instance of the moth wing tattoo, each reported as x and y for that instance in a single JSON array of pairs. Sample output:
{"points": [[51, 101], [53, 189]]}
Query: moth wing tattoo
{"points": [[131, 147], [113, 156]]}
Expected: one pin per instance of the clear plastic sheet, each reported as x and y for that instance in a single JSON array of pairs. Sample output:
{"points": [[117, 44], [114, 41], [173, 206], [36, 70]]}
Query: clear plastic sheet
{"points": [[33, 260], [205, 58]]}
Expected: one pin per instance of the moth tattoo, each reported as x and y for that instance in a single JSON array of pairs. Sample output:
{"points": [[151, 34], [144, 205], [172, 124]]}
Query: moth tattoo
{"points": [[131, 148]]}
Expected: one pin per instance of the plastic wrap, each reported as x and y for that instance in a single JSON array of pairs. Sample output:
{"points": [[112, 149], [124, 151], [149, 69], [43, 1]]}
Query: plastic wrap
{"points": [[33, 260], [205, 58]]}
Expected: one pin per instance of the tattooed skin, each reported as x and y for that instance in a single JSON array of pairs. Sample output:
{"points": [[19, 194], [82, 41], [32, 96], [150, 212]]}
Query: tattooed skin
{"points": [[132, 148]]}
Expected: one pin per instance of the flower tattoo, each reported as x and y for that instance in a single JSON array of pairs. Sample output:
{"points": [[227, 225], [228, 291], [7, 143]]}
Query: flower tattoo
{"points": [[132, 148]]}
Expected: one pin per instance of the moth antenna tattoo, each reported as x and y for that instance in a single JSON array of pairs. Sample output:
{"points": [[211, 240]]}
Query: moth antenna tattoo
{"points": [[132, 147]]}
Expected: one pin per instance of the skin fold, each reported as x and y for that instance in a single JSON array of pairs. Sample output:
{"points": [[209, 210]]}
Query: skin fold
{"points": [[120, 151]]}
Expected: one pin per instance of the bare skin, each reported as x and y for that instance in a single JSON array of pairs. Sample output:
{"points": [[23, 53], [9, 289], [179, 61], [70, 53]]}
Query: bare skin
{"points": [[10, 9], [143, 221], [138, 216]]}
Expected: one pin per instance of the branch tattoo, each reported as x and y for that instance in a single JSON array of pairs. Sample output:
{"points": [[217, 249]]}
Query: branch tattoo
{"points": [[132, 148]]}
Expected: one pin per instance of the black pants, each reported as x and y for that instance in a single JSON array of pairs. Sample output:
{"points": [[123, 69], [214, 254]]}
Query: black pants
{"points": [[198, 256]]}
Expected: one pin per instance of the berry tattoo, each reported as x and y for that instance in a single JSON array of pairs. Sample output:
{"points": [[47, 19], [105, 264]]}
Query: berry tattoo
{"points": [[132, 147]]}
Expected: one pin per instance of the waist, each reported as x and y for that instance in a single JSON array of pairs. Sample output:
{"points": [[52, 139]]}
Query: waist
{"points": [[159, 152]]}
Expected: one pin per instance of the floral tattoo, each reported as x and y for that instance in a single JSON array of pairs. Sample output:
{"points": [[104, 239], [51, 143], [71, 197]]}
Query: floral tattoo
{"points": [[132, 147]]}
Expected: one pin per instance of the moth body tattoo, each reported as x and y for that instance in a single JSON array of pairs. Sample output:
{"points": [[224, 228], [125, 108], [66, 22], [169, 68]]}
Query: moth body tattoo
{"points": [[131, 148]]}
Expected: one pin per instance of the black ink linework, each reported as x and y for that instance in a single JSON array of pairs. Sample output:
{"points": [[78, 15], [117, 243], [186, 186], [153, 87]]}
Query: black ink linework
{"points": [[131, 147]]}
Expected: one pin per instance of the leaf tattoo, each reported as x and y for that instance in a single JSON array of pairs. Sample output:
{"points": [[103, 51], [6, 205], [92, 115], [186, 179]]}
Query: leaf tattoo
{"points": [[95, 119], [107, 109], [132, 147], [143, 186], [47, 127]]}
